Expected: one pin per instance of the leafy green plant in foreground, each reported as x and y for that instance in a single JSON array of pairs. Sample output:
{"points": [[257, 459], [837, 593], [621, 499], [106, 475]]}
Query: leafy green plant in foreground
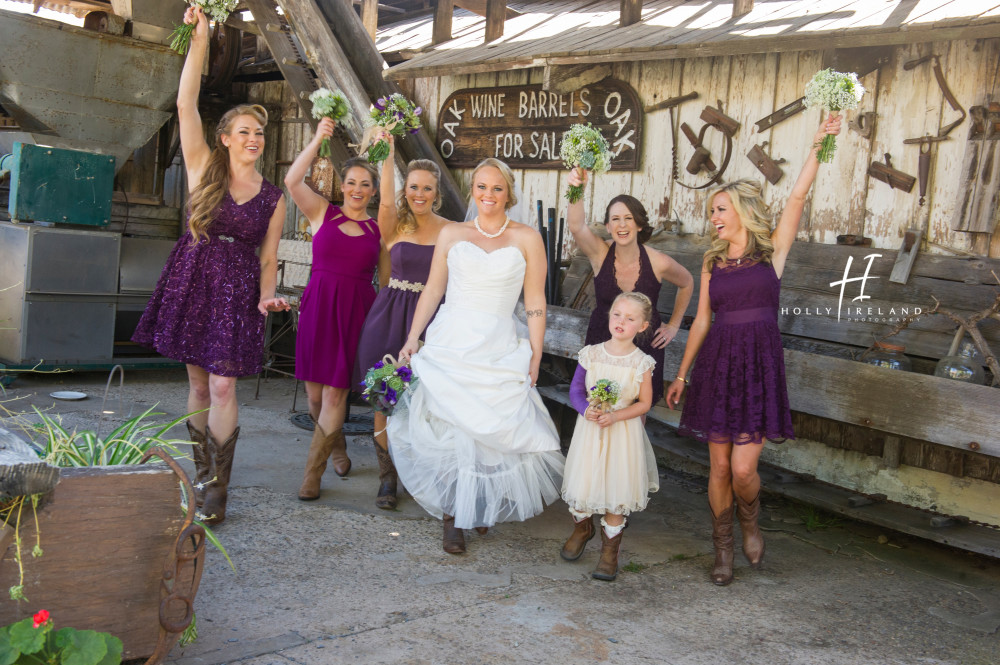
{"points": [[35, 640]]}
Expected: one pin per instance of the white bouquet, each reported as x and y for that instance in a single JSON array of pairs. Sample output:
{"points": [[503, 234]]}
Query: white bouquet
{"points": [[327, 104], [219, 10], [834, 91], [586, 147]]}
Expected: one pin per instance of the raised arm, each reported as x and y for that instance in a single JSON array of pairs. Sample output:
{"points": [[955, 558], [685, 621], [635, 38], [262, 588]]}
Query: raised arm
{"points": [[193, 145], [788, 225], [534, 296], [591, 244], [433, 291], [312, 205], [696, 337], [269, 262], [387, 217], [671, 271]]}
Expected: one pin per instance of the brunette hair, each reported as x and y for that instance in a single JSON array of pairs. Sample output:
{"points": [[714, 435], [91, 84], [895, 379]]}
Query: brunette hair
{"points": [[508, 178], [363, 163], [755, 215], [407, 221], [208, 194], [639, 214]]}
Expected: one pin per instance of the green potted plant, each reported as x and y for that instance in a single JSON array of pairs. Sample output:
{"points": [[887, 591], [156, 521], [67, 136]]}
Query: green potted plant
{"points": [[35, 640]]}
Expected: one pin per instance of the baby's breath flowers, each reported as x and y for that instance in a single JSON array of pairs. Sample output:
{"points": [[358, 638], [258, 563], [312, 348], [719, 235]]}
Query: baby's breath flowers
{"points": [[219, 10], [328, 104], [835, 92], [584, 146]]}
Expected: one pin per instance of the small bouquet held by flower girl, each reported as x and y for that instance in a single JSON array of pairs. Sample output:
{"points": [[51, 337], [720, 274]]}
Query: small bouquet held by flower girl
{"points": [[584, 146], [395, 114], [219, 10], [328, 104], [385, 383], [604, 394], [835, 92]]}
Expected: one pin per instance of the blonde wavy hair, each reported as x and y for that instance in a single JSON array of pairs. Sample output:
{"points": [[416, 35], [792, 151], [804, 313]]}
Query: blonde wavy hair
{"points": [[207, 196], [505, 172], [755, 215], [406, 221]]}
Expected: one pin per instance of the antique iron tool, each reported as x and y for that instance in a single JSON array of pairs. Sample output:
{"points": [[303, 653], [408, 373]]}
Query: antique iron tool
{"points": [[891, 176]]}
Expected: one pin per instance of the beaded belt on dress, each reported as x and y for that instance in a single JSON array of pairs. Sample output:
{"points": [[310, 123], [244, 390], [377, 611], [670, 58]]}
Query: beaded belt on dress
{"points": [[746, 316], [405, 285]]}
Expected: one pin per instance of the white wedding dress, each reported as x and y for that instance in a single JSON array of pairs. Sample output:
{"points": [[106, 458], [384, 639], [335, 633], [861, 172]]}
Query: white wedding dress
{"points": [[473, 439]]}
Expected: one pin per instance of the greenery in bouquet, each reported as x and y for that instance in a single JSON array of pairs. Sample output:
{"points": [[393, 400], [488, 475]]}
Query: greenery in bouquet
{"points": [[584, 146], [219, 10], [328, 104], [604, 393], [395, 114], [384, 384], [35, 640], [835, 92]]}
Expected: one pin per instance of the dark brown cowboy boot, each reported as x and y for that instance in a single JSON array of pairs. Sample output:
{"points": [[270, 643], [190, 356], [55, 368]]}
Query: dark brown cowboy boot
{"points": [[583, 531], [338, 453], [217, 493], [204, 466], [319, 450], [753, 540], [454, 540], [607, 566], [386, 498], [722, 538]]}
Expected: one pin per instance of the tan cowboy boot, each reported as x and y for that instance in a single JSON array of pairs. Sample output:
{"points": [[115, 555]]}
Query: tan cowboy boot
{"points": [[753, 541], [453, 540], [583, 531], [386, 498], [319, 449], [607, 566], [722, 538], [204, 467], [217, 492], [338, 453]]}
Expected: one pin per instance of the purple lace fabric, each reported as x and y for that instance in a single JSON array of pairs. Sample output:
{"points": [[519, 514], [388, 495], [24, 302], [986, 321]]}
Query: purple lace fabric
{"points": [[204, 309], [737, 390], [606, 289]]}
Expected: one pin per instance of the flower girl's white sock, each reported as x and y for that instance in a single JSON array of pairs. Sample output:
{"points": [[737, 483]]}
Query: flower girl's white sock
{"points": [[613, 531], [579, 517]]}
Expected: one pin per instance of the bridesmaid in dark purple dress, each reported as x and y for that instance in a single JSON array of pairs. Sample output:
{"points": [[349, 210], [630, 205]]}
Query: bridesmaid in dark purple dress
{"points": [[335, 303], [626, 264], [738, 396], [209, 307], [410, 226]]}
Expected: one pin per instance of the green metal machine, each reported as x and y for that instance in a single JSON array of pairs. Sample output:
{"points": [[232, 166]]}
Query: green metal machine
{"points": [[60, 185]]}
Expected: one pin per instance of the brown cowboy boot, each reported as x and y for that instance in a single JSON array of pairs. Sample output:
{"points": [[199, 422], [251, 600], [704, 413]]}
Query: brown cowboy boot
{"points": [[454, 539], [722, 538], [338, 453], [607, 566], [204, 466], [583, 531], [753, 541], [216, 494], [319, 450], [386, 498]]}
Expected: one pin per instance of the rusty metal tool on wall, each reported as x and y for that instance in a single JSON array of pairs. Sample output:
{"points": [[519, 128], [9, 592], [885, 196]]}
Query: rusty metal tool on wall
{"points": [[782, 114], [670, 102], [890, 175], [945, 90], [767, 166]]}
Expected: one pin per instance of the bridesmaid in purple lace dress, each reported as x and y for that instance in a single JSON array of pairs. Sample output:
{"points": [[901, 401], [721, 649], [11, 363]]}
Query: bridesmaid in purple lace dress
{"points": [[626, 264], [346, 243], [209, 307], [738, 396], [410, 226]]}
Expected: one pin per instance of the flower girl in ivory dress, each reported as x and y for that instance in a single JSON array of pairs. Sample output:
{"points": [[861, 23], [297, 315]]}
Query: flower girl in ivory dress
{"points": [[610, 468]]}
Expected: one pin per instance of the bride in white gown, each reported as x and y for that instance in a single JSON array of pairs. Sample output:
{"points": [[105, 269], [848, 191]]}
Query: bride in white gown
{"points": [[473, 443]]}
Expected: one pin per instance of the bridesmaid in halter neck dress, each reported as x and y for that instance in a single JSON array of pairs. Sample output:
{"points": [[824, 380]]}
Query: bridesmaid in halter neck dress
{"points": [[625, 264]]}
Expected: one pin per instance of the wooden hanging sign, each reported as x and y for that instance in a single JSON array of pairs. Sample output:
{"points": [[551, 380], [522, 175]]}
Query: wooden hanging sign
{"points": [[523, 125]]}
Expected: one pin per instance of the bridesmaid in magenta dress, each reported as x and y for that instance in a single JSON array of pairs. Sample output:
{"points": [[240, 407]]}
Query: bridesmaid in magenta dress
{"points": [[738, 396], [209, 306], [346, 244], [626, 264], [410, 226]]}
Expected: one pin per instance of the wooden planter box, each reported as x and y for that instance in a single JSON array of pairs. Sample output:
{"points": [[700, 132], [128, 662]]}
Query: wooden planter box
{"points": [[111, 537]]}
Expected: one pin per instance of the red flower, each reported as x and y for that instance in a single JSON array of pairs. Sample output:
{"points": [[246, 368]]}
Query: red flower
{"points": [[41, 618]]}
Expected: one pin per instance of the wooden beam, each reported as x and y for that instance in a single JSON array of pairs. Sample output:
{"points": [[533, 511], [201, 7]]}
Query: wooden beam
{"points": [[479, 7], [364, 65], [742, 7], [561, 80], [369, 17], [631, 12], [442, 21], [496, 14]]}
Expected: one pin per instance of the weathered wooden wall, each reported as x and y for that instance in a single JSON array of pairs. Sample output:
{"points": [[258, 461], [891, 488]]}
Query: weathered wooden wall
{"points": [[845, 200]]}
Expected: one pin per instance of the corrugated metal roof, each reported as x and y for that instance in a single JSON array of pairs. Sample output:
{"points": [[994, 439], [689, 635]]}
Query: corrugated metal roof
{"points": [[557, 32]]}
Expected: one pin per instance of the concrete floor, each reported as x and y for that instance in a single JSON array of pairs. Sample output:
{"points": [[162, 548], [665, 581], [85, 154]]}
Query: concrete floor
{"points": [[339, 581]]}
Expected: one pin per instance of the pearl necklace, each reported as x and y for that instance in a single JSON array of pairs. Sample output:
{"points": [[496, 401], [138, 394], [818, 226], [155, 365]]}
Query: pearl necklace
{"points": [[503, 228]]}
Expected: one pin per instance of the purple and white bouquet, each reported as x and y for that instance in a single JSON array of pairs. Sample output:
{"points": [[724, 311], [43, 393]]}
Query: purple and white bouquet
{"points": [[385, 383], [604, 394], [395, 114]]}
